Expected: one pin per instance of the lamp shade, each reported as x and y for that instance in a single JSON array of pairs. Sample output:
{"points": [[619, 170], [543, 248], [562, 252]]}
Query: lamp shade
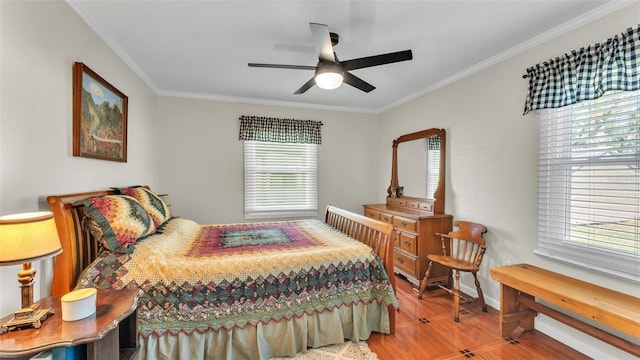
{"points": [[28, 237]]}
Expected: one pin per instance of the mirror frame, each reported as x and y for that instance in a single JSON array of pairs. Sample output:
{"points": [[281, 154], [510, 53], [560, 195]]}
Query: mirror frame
{"points": [[438, 204]]}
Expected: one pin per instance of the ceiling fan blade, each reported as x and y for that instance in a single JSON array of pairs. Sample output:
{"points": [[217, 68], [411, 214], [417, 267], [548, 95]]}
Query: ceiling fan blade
{"points": [[308, 85], [357, 82], [322, 41], [377, 60], [278, 66]]}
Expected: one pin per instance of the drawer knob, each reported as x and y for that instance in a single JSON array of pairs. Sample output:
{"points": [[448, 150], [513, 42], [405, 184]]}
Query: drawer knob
{"points": [[407, 242], [400, 260], [386, 218], [403, 223]]}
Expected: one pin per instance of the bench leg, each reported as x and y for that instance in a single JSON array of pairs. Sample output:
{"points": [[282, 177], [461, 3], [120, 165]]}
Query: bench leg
{"points": [[512, 313]]}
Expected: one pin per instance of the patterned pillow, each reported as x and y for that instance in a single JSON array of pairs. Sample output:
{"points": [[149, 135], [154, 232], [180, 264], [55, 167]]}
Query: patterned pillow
{"points": [[118, 221], [157, 209]]}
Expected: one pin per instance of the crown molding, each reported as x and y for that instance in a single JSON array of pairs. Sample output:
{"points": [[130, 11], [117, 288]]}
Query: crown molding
{"points": [[575, 23], [593, 15]]}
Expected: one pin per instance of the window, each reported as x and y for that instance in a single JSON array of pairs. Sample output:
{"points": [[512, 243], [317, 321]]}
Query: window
{"points": [[433, 165], [589, 184], [280, 180]]}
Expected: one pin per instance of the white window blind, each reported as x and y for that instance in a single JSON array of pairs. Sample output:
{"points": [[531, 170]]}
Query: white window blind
{"points": [[589, 184], [280, 180]]}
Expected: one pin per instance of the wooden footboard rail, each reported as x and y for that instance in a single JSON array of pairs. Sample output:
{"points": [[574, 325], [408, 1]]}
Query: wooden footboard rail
{"points": [[379, 235], [521, 284]]}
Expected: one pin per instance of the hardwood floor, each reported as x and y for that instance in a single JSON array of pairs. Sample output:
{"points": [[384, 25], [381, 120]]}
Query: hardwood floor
{"points": [[425, 330]]}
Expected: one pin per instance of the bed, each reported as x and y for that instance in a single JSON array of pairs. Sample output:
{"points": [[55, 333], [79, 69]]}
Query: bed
{"points": [[236, 291]]}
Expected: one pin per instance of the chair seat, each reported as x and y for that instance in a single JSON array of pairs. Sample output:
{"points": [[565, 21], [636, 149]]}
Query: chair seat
{"points": [[453, 263]]}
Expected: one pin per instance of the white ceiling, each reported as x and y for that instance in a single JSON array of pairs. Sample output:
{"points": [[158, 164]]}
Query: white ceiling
{"points": [[200, 49]]}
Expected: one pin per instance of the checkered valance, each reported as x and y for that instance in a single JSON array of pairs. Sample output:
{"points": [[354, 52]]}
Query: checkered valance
{"points": [[586, 74], [434, 142], [259, 128]]}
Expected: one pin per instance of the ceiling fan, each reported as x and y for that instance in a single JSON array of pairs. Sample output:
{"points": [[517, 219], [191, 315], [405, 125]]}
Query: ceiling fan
{"points": [[330, 73]]}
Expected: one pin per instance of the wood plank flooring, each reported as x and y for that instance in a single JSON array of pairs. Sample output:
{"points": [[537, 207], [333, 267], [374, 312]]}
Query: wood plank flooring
{"points": [[425, 330]]}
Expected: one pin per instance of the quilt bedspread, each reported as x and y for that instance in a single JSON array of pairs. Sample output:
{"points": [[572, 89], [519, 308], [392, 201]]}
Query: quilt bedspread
{"points": [[211, 277]]}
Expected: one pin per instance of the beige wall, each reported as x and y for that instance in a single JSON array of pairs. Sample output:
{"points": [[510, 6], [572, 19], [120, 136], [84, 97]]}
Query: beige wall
{"points": [[39, 42], [491, 162], [201, 162]]}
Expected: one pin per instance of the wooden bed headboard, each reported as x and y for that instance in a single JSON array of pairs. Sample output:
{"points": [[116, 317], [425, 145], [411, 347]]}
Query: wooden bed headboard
{"points": [[79, 248]]}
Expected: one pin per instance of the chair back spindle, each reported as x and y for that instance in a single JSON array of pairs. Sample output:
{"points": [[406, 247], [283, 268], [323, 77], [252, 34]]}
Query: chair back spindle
{"points": [[466, 244]]}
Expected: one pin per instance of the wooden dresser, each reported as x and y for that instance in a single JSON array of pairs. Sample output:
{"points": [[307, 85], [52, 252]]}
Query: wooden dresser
{"points": [[417, 225]]}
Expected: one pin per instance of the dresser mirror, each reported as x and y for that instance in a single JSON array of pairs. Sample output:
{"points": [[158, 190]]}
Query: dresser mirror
{"points": [[418, 168]]}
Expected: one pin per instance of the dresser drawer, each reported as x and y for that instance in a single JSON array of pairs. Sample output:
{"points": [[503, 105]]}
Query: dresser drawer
{"points": [[408, 242], [397, 202], [413, 205], [425, 206], [388, 218], [404, 262], [405, 224], [370, 213]]}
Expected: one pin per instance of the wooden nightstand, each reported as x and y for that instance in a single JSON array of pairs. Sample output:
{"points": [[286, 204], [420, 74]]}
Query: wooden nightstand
{"points": [[114, 309]]}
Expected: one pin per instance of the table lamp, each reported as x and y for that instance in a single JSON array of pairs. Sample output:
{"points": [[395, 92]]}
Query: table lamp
{"points": [[25, 238]]}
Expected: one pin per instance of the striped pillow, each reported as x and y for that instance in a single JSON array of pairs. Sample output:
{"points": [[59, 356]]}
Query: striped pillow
{"points": [[121, 219]]}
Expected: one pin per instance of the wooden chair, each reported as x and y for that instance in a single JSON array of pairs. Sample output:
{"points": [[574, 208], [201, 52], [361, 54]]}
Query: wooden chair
{"points": [[467, 248]]}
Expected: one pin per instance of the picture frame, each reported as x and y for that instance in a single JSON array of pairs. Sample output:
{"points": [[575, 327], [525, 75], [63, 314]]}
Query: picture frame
{"points": [[99, 117]]}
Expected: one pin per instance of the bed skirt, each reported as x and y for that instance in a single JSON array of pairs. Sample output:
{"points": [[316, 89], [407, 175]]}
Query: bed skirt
{"points": [[274, 339]]}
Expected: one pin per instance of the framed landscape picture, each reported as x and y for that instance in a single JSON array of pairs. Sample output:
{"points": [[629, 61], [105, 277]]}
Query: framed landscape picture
{"points": [[99, 117]]}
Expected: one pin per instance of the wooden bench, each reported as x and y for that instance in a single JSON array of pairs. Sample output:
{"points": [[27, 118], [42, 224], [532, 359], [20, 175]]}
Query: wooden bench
{"points": [[521, 284]]}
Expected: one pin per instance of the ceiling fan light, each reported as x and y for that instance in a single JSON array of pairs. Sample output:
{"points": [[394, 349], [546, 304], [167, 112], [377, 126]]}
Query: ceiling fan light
{"points": [[329, 80]]}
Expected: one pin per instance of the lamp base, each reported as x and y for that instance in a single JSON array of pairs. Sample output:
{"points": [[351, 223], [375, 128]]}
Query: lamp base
{"points": [[29, 317]]}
